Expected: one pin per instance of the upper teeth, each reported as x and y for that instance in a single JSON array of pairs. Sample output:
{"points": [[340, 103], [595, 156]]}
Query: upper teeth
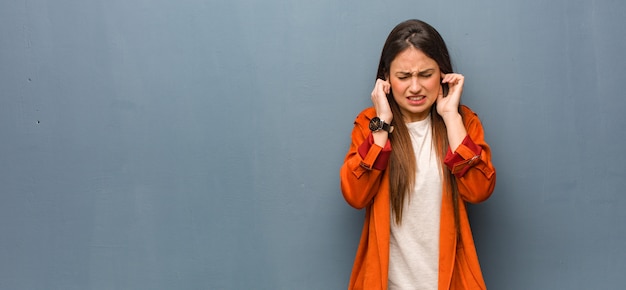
{"points": [[415, 98]]}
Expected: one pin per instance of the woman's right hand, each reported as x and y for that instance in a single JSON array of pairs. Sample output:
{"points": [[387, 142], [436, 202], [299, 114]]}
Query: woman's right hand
{"points": [[379, 99]]}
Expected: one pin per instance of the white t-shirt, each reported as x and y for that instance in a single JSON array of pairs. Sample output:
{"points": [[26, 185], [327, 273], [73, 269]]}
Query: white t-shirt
{"points": [[414, 244]]}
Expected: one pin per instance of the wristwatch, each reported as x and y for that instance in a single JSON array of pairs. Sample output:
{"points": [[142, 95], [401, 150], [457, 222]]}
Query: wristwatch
{"points": [[376, 124]]}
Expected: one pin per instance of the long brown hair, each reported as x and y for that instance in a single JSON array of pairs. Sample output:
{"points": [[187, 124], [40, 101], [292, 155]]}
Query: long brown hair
{"points": [[402, 166]]}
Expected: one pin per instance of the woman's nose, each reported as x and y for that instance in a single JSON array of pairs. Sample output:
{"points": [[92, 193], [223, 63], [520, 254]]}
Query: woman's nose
{"points": [[415, 85]]}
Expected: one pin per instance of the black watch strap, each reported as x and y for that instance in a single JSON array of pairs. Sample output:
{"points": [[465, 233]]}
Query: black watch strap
{"points": [[387, 127]]}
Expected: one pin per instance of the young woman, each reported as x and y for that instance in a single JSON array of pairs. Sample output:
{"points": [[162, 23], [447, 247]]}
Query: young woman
{"points": [[416, 157]]}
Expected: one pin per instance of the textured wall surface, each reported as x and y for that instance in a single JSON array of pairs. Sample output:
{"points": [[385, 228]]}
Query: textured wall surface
{"points": [[197, 144]]}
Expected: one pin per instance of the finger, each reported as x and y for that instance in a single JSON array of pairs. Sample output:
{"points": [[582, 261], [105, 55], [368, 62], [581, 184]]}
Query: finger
{"points": [[378, 92], [383, 86], [461, 80], [380, 87], [451, 78], [456, 83], [457, 78]]}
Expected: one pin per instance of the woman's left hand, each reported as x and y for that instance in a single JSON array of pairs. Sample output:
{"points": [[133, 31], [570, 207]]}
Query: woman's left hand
{"points": [[450, 103]]}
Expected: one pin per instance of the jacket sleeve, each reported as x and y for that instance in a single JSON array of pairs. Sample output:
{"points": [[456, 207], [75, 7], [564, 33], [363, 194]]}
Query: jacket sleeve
{"points": [[364, 165], [471, 162]]}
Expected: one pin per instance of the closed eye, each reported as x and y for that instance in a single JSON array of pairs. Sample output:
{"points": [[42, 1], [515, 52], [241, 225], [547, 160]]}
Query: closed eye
{"points": [[403, 76], [427, 73]]}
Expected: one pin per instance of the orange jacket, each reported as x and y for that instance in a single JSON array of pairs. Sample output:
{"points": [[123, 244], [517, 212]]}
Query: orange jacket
{"points": [[365, 184]]}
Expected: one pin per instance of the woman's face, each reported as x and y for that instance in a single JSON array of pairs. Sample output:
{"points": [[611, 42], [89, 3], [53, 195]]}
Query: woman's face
{"points": [[415, 83]]}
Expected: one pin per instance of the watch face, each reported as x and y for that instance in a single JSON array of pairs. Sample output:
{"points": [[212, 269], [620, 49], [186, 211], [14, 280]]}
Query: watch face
{"points": [[375, 124]]}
